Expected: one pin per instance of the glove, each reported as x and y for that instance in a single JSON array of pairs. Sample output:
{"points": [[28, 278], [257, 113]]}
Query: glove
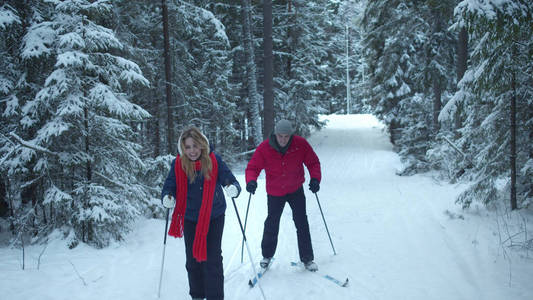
{"points": [[168, 201], [232, 191], [251, 186], [314, 185]]}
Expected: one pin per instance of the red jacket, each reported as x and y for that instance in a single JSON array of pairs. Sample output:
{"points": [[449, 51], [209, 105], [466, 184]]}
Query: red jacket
{"points": [[284, 173]]}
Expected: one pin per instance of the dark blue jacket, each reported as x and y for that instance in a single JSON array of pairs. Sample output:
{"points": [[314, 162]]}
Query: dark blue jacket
{"points": [[194, 190]]}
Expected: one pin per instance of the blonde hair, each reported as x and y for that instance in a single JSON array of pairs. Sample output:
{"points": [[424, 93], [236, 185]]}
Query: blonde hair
{"points": [[188, 165]]}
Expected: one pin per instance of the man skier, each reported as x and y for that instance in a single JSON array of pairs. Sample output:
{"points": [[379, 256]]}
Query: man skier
{"points": [[283, 156]]}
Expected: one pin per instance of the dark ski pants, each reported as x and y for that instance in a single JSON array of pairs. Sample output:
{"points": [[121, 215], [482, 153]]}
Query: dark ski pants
{"points": [[276, 204], [206, 279]]}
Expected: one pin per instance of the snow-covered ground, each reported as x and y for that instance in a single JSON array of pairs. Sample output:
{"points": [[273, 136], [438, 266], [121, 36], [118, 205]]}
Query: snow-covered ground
{"points": [[395, 238]]}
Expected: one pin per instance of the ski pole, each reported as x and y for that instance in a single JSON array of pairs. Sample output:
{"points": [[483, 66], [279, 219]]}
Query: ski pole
{"points": [[245, 221], [247, 247], [163, 258], [320, 207]]}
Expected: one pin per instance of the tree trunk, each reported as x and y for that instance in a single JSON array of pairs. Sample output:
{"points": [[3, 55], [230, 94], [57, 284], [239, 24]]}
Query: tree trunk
{"points": [[153, 126], [4, 207], [168, 87], [462, 64], [268, 94], [437, 82], [348, 81], [43, 208], [513, 140], [437, 105], [290, 38], [156, 139], [88, 167], [87, 236], [530, 192], [253, 95], [462, 53]]}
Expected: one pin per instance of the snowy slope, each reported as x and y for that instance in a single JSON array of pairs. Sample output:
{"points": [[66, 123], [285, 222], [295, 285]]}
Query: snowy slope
{"points": [[395, 238]]}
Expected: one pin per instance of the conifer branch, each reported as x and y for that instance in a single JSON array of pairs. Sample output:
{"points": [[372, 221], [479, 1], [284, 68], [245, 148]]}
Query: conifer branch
{"points": [[31, 146]]}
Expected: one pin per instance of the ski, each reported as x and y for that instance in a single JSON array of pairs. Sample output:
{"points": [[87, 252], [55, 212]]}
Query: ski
{"points": [[252, 282], [326, 276]]}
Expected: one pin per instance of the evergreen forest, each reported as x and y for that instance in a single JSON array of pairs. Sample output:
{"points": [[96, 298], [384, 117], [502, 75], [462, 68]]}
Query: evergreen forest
{"points": [[94, 95]]}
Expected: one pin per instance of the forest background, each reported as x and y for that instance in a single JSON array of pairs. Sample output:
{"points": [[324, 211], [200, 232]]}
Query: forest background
{"points": [[93, 95]]}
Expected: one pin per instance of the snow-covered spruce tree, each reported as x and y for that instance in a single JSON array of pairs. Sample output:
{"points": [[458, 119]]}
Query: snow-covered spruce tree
{"points": [[390, 43], [200, 92], [202, 67], [409, 53], [139, 29], [82, 145], [494, 94], [10, 24], [433, 82], [21, 79], [227, 12], [303, 52], [10, 72]]}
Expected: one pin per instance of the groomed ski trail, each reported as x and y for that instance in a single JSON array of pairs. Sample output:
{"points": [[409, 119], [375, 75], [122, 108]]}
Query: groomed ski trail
{"points": [[392, 235]]}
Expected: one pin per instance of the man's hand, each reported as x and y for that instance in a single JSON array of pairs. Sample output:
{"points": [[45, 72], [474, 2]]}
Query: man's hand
{"points": [[314, 185], [251, 186]]}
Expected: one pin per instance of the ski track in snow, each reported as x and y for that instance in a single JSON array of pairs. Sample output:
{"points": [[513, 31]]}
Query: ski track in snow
{"points": [[392, 238]]}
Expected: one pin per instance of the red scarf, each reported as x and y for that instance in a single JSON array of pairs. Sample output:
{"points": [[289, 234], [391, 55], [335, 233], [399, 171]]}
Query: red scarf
{"points": [[199, 249]]}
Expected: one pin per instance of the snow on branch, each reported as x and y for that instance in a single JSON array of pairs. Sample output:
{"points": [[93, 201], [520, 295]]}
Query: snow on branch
{"points": [[32, 146], [448, 110], [7, 16], [210, 17], [111, 180], [39, 40], [490, 10], [54, 195], [245, 153], [4, 158], [483, 8], [454, 146], [115, 104]]}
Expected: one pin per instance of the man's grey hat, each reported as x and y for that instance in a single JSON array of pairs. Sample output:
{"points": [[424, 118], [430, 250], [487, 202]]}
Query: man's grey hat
{"points": [[283, 127]]}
